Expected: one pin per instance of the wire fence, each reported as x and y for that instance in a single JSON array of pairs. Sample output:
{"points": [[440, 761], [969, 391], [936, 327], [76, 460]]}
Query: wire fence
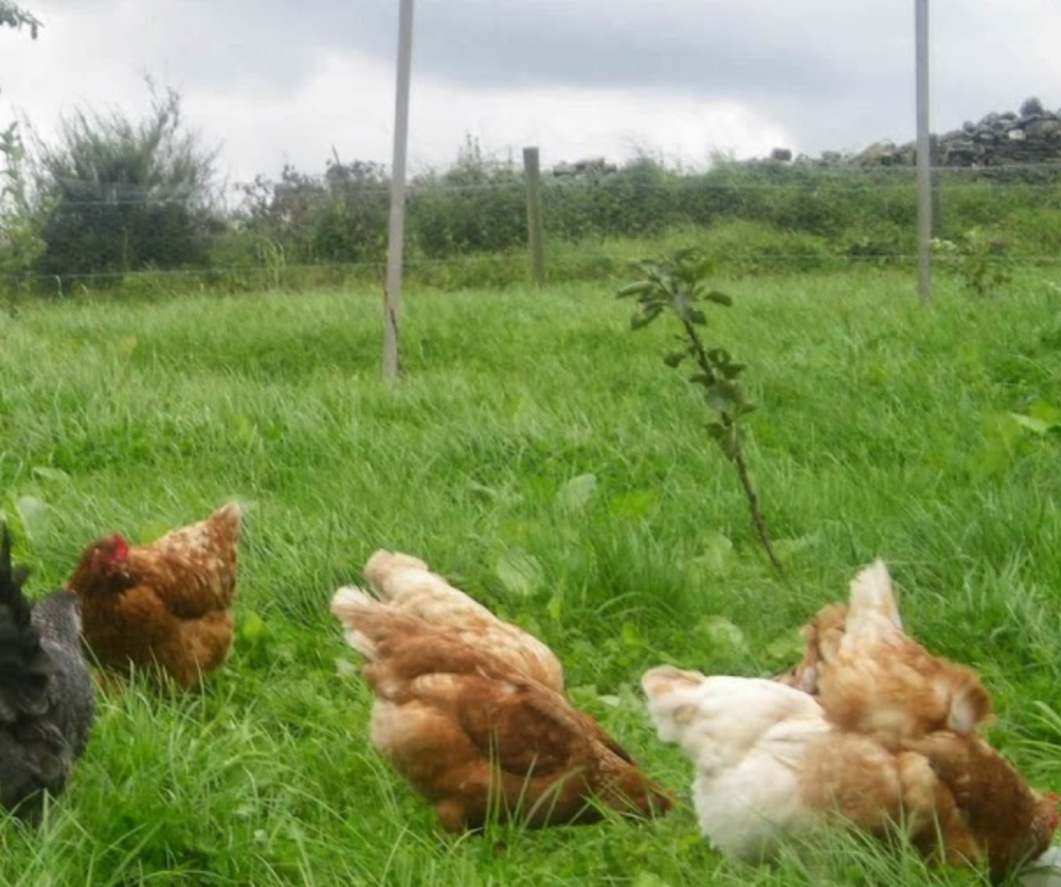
{"points": [[471, 224]]}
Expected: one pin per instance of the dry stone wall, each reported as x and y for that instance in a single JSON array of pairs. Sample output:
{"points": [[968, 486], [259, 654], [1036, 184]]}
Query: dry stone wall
{"points": [[1030, 136]]}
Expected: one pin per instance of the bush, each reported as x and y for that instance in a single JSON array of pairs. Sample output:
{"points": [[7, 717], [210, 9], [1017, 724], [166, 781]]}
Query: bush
{"points": [[118, 196], [339, 217], [479, 205], [466, 225], [21, 245]]}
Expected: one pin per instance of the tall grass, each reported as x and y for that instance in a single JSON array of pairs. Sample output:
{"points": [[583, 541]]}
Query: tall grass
{"points": [[545, 459]]}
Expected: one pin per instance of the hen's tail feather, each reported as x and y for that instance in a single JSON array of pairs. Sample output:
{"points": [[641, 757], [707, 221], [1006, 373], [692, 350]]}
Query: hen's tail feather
{"points": [[970, 703], [350, 605], [231, 511], [873, 603], [24, 664], [383, 565], [227, 522], [874, 613], [671, 695]]}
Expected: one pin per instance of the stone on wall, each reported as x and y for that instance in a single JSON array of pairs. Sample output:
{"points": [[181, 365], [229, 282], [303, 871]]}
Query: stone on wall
{"points": [[1032, 136]]}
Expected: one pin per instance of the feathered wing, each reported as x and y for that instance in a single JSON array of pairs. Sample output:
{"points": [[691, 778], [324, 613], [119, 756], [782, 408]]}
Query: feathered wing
{"points": [[722, 717], [46, 704], [1010, 822], [880, 681], [401, 647], [474, 736], [406, 585], [193, 568], [71, 694], [747, 739], [527, 752]]}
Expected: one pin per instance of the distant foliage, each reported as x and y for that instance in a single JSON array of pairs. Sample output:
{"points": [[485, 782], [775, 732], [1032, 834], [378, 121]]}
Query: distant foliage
{"points": [[638, 200], [21, 245], [337, 217], [478, 205], [119, 195], [115, 196], [13, 16]]}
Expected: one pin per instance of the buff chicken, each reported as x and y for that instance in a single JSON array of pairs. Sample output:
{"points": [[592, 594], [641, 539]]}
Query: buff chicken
{"points": [[871, 677], [462, 721]]}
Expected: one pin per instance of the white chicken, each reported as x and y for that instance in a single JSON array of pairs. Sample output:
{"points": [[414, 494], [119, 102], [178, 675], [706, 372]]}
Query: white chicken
{"points": [[747, 740], [770, 765]]}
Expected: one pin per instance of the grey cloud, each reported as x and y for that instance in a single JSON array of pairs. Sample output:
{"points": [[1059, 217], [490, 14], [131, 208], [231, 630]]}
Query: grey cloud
{"points": [[718, 49], [831, 73]]}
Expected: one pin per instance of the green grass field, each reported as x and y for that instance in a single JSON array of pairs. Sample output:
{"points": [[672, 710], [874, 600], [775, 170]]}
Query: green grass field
{"points": [[539, 454]]}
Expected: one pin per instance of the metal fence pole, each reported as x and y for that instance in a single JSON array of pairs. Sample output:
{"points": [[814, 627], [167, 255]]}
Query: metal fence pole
{"points": [[924, 157], [396, 232]]}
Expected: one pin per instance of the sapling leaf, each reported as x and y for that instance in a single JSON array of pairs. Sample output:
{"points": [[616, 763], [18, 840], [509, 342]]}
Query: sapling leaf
{"points": [[45, 472], [639, 321], [1045, 412], [720, 398], [635, 289], [32, 513], [1036, 426], [719, 356], [717, 551], [519, 572]]}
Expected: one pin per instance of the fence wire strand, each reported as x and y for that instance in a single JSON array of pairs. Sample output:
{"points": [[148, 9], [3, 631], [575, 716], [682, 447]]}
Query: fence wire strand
{"points": [[793, 197]]}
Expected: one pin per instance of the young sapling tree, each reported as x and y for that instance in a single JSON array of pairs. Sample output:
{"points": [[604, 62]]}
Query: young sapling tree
{"points": [[678, 284]]}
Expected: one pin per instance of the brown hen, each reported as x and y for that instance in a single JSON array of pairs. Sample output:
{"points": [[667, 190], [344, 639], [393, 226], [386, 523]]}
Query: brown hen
{"points": [[478, 738], [164, 606], [871, 677], [821, 642], [1009, 822]]}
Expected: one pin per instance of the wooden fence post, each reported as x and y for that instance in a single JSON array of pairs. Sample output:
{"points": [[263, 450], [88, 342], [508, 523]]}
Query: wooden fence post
{"points": [[535, 232]]}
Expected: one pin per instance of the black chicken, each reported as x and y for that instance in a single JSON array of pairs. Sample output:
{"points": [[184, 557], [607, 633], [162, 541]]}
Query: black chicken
{"points": [[46, 701]]}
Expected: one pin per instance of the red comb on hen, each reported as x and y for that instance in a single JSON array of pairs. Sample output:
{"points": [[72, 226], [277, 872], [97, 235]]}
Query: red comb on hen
{"points": [[121, 548]]}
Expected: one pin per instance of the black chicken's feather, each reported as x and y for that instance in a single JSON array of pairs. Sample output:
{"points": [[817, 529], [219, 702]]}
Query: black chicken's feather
{"points": [[46, 701]]}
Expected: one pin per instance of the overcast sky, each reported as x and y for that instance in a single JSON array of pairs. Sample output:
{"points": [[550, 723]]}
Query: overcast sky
{"points": [[273, 81]]}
